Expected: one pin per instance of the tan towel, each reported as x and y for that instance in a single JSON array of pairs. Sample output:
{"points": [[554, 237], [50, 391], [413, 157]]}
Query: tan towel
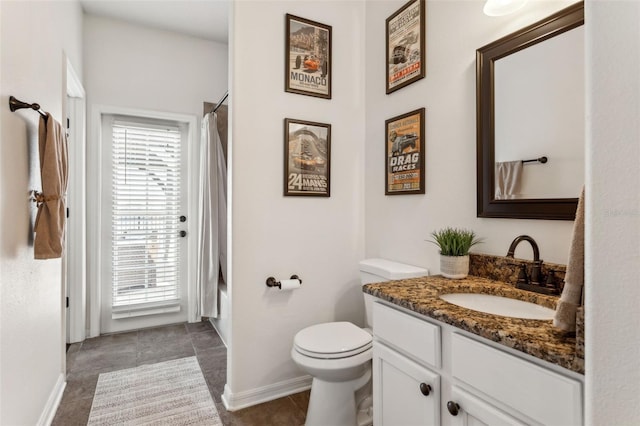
{"points": [[565, 317], [508, 179], [50, 221]]}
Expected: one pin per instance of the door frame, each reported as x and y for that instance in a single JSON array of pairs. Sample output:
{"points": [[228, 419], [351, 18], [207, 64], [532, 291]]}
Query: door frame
{"points": [[75, 253], [94, 207]]}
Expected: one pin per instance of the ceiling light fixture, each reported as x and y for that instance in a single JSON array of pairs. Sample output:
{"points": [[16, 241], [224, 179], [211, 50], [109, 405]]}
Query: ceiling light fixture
{"points": [[502, 7]]}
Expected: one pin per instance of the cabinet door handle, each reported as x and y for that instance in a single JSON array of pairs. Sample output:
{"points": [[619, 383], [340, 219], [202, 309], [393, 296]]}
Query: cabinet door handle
{"points": [[425, 389], [453, 408]]}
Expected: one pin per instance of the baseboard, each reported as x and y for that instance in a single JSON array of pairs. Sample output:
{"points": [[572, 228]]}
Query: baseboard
{"points": [[221, 332], [50, 408], [236, 401]]}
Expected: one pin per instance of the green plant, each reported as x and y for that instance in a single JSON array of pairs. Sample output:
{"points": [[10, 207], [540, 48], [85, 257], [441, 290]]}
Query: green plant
{"points": [[454, 241]]}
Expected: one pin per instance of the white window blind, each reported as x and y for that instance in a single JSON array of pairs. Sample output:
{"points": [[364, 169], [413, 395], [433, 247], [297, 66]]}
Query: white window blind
{"points": [[145, 214]]}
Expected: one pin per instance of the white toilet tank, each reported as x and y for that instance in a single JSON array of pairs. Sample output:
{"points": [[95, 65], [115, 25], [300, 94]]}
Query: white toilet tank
{"points": [[379, 270]]}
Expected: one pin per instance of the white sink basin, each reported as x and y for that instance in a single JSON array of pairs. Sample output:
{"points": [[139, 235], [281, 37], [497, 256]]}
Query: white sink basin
{"points": [[498, 305]]}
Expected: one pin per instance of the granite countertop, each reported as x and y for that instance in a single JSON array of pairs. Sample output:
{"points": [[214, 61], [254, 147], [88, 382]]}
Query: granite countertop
{"points": [[534, 337]]}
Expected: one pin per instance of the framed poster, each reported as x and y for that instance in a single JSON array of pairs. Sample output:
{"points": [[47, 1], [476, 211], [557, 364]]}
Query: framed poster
{"points": [[307, 58], [406, 45], [307, 158], [404, 154]]}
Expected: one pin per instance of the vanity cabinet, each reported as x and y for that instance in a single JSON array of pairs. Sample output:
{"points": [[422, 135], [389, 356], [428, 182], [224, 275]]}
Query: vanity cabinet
{"points": [[467, 380]]}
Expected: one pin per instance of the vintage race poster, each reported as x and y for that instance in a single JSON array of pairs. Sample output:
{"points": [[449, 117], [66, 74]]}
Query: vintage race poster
{"points": [[307, 158], [308, 58], [406, 45], [404, 154]]}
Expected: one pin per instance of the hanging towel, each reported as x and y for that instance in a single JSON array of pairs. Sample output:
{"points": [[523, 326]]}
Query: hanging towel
{"points": [[212, 213], [565, 317], [508, 179], [54, 172]]}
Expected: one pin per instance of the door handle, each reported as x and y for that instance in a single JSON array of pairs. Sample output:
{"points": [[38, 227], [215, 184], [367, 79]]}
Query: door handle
{"points": [[453, 408], [425, 389]]}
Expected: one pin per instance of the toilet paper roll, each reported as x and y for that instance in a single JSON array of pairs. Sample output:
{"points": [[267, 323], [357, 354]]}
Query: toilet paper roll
{"points": [[289, 284]]}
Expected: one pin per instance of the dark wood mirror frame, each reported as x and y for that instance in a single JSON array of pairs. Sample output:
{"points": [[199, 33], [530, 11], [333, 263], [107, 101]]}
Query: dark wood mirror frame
{"points": [[544, 208]]}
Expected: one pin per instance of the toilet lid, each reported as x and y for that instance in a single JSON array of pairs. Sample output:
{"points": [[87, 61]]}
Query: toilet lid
{"points": [[332, 340]]}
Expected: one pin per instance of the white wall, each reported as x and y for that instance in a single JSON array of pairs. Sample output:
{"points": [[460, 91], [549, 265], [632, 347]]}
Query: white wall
{"points": [[320, 239], [131, 66], [397, 226], [613, 213], [35, 37], [137, 67]]}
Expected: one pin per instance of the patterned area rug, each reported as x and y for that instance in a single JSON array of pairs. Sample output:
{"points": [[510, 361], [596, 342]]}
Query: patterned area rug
{"points": [[167, 393]]}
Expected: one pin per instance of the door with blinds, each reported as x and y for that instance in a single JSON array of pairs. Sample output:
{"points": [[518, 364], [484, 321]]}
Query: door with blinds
{"points": [[144, 202]]}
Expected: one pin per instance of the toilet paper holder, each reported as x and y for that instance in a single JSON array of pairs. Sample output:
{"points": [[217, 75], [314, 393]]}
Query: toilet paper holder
{"points": [[271, 282]]}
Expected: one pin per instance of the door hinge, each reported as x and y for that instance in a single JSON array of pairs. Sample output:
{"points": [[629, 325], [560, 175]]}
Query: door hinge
{"points": [[67, 301], [67, 212]]}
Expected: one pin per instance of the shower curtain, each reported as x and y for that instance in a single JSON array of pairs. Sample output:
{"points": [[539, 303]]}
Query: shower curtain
{"points": [[212, 217]]}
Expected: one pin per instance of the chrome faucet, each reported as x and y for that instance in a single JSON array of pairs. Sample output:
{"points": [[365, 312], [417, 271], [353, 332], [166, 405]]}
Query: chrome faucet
{"points": [[537, 263]]}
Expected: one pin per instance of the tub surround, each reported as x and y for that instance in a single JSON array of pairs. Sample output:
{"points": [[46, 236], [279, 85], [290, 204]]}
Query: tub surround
{"points": [[534, 337]]}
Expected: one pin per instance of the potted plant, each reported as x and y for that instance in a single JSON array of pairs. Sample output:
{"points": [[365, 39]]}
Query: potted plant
{"points": [[454, 245]]}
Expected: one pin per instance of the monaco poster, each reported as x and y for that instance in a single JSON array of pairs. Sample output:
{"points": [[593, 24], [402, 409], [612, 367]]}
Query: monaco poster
{"points": [[308, 58]]}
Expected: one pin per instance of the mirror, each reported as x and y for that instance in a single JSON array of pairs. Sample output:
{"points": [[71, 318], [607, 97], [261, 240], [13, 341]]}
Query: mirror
{"points": [[530, 120]]}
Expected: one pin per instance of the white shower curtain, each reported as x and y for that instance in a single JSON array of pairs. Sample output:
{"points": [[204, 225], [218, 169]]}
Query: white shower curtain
{"points": [[212, 217]]}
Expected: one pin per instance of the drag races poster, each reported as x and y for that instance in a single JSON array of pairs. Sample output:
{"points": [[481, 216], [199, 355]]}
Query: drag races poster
{"points": [[406, 45], [404, 154], [307, 58], [307, 158]]}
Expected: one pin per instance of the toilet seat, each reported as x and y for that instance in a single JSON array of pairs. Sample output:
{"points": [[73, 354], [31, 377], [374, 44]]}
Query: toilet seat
{"points": [[322, 355], [332, 340]]}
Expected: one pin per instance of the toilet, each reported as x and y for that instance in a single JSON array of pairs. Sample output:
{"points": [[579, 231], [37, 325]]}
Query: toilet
{"points": [[338, 356]]}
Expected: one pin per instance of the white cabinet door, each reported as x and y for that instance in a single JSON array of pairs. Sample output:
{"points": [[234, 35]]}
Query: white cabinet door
{"points": [[469, 410], [404, 392]]}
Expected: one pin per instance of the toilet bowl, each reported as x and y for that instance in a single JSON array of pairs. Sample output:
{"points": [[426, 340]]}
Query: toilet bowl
{"points": [[338, 357]]}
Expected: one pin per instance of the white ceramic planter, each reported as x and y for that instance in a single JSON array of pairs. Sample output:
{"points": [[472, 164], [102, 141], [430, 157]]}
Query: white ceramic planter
{"points": [[454, 267]]}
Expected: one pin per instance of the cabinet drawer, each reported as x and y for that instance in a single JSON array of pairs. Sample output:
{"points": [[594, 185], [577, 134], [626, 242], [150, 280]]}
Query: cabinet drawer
{"points": [[414, 336], [543, 395]]}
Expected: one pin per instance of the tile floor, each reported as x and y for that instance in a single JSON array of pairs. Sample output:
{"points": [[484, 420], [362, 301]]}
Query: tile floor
{"points": [[86, 360]]}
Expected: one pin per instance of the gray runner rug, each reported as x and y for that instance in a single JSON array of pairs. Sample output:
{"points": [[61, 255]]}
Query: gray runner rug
{"points": [[167, 393]]}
